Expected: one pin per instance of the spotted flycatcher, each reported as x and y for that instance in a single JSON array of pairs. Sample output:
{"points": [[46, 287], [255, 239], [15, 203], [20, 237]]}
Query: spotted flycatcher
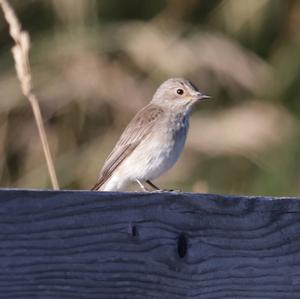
{"points": [[153, 140]]}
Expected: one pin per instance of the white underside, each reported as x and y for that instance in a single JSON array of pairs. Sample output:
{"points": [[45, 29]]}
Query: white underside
{"points": [[154, 156]]}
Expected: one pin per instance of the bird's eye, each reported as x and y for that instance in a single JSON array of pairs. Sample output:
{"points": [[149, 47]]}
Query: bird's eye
{"points": [[179, 91]]}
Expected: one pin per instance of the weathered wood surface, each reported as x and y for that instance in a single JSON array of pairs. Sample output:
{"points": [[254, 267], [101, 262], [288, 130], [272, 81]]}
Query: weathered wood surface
{"points": [[133, 245]]}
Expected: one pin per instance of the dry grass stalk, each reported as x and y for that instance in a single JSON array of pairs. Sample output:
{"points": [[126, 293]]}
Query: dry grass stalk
{"points": [[20, 53]]}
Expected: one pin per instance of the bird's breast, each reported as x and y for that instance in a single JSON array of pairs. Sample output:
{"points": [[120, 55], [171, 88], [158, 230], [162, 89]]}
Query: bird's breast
{"points": [[177, 135], [158, 151], [163, 150]]}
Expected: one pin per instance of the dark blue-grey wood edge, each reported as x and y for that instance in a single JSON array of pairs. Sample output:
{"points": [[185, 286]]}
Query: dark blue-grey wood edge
{"points": [[72, 244]]}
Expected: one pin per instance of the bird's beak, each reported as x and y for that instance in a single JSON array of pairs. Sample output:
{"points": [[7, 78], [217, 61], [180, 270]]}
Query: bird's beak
{"points": [[205, 97], [202, 97]]}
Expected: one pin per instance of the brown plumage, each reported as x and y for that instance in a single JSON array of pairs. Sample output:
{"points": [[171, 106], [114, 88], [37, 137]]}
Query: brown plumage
{"points": [[139, 127]]}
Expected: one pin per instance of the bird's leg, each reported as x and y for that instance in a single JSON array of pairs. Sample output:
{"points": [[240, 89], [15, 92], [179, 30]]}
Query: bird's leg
{"points": [[158, 189], [152, 185], [142, 186]]}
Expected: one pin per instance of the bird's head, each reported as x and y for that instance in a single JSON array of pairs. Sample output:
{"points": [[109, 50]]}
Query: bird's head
{"points": [[178, 93]]}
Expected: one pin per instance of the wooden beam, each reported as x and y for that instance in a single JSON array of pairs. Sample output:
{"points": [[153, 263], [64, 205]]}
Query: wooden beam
{"points": [[70, 244]]}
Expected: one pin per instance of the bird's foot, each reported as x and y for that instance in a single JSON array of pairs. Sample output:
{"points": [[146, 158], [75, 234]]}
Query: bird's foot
{"points": [[155, 188]]}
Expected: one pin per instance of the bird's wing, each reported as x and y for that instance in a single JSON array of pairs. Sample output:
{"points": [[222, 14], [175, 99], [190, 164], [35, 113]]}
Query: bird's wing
{"points": [[140, 126]]}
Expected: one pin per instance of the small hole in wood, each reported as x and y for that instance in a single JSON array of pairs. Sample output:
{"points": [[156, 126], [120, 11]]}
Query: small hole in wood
{"points": [[182, 245], [132, 230]]}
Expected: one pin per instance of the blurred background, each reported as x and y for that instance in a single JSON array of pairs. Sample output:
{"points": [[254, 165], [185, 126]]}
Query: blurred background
{"points": [[95, 63]]}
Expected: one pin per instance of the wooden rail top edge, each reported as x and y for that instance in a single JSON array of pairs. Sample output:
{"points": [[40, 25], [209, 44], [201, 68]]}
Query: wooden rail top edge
{"points": [[205, 200]]}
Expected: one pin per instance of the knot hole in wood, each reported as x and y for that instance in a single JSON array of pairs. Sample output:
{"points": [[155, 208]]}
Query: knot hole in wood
{"points": [[182, 245], [132, 230]]}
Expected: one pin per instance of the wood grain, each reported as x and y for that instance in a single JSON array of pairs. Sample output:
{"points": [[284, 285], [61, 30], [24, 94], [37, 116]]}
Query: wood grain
{"points": [[132, 245]]}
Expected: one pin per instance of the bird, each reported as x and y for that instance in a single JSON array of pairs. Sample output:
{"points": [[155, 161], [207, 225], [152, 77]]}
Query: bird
{"points": [[153, 140]]}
